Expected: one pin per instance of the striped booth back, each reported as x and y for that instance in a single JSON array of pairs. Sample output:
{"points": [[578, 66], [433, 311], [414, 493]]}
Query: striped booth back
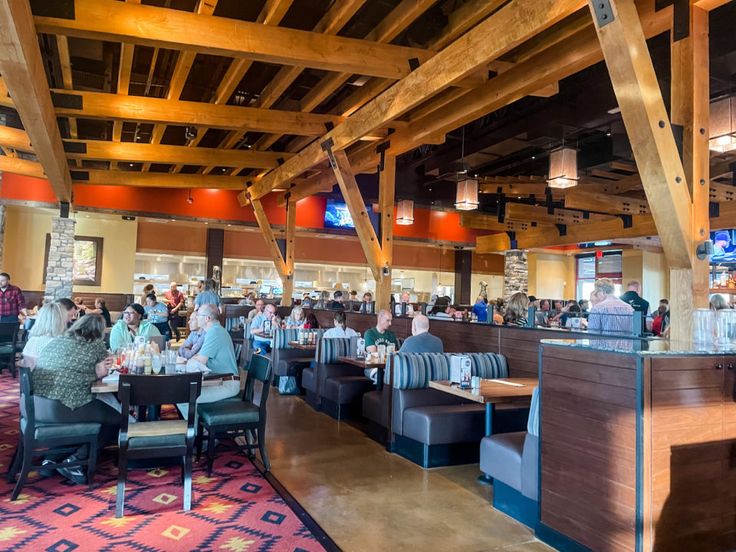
{"points": [[416, 370], [532, 426], [328, 350]]}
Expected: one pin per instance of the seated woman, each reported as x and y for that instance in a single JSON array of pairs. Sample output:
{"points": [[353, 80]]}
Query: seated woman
{"points": [[193, 342], [101, 309], [131, 325], [311, 323], [340, 329], [158, 314], [516, 310], [64, 373], [50, 323], [296, 319]]}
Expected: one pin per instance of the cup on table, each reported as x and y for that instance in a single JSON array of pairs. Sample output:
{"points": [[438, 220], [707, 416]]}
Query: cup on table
{"points": [[381, 353], [475, 382]]}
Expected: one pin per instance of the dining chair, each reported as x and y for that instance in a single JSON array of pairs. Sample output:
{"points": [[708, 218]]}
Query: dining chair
{"points": [[243, 416], [8, 345], [48, 440], [161, 438]]}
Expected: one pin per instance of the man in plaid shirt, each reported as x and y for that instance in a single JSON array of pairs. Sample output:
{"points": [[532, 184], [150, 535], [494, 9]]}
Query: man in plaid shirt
{"points": [[12, 301]]}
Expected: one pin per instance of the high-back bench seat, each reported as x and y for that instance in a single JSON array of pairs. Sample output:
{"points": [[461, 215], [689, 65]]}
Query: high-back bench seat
{"points": [[512, 459], [286, 360], [433, 428]]}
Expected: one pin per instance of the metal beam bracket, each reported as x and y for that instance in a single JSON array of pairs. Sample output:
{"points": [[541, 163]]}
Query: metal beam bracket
{"points": [[603, 12], [627, 220], [327, 148]]}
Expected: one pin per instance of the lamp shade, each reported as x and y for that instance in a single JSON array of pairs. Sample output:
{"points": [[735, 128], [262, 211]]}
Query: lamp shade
{"points": [[466, 197], [723, 125], [405, 212], [563, 168]]}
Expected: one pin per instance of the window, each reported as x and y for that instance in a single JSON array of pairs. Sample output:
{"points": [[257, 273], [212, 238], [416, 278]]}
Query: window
{"points": [[591, 266]]}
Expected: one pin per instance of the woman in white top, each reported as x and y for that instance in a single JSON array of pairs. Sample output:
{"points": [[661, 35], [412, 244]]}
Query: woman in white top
{"points": [[50, 324], [340, 329]]}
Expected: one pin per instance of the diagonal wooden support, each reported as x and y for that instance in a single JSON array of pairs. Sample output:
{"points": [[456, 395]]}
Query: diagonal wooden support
{"points": [[354, 200], [273, 247], [647, 124], [288, 282]]}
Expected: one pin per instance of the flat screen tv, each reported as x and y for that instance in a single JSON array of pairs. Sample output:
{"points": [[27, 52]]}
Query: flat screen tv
{"points": [[724, 246], [337, 215]]}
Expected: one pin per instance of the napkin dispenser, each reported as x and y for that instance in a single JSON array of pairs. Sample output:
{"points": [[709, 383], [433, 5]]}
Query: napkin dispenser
{"points": [[460, 369]]}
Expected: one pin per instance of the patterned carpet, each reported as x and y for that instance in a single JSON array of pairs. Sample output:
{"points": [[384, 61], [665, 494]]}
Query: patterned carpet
{"points": [[235, 510]]}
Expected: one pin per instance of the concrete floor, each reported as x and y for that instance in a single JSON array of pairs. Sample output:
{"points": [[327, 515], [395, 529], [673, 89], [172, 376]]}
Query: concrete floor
{"points": [[368, 499]]}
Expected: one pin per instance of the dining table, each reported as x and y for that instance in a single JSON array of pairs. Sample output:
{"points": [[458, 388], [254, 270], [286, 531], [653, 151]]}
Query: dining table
{"points": [[363, 362], [303, 346]]}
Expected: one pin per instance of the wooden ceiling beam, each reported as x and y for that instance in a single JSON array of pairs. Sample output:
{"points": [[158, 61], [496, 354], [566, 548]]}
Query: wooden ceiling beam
{"points": [[507, 28], [99, 105], [155, 180], [23, 73], [123, 87], [480, 221], [605, 203], [17, 165], [177, 30], [164, 154], [534, 213], [15, 138]]}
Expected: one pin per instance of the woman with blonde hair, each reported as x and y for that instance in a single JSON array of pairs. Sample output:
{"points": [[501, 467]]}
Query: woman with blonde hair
{"points": [[516, 310], [296, 319], [50, 324]]}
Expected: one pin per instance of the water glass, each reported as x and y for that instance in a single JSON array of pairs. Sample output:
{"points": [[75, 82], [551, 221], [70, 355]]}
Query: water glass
{"points": [[156, 364], [703, 326], [726, 326]]}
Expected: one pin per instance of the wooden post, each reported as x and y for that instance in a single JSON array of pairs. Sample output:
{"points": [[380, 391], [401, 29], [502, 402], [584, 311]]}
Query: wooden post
{"points": [[690, 110], [273, 246], [289, 261], [386, 193]]}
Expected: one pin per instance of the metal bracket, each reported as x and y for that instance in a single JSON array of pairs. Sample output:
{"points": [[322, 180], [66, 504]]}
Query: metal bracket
{"points": [[64, 209], [680, 20], [628, 220], [381, 151], [562, 229], [512, 239], [327, 148], [603, 12], [714, 210], [501, 198], [413, 64]]}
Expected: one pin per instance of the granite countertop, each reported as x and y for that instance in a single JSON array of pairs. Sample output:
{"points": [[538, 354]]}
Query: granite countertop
{"points": [[645, 347]]}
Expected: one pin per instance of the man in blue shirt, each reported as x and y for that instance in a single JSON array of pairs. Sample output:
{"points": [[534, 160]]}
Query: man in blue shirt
{"points": [[261, 329], [421, 341], [218, 354]]}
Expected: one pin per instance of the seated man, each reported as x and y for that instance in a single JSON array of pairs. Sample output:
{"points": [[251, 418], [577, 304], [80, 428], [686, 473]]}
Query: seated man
{"points": [[218, 354], [379, 335], [421, 341], [404, 304], [366, 307], [337, 302], [262, 327]]}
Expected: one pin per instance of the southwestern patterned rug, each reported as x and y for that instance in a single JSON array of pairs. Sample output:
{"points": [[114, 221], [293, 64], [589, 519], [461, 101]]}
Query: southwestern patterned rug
{"points": [[235, 510]]}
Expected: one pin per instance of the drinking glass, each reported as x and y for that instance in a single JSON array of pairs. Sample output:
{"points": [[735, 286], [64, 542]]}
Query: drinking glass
{"points": [[703, 326], [726, 326], [156, 364]]}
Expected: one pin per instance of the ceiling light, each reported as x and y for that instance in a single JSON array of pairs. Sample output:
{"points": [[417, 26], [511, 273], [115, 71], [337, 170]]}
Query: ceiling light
{"points": [[608, 132], [405, 212], [534, 156], [563, 168], [190, 133], [723, 125], [466, 195]]}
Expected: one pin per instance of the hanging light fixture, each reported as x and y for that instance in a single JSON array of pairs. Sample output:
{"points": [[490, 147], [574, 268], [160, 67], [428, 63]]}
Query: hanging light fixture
{"points": [[405, 212], [723, 125], [563, 168], [466, 194]]}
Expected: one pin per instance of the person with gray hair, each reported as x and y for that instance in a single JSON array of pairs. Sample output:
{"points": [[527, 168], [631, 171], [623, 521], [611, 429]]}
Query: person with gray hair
{"points": [[609, 314], [421, 341], [50, 324], [633, 298], [218, 354]]}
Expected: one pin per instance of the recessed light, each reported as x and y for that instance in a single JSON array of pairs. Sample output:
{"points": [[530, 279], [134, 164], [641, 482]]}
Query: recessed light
{"points": [[172, 220], [534, 156]]}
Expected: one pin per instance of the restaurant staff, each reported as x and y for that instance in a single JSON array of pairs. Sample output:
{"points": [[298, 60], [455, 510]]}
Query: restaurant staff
{"points": [[132, 324], [12, 301]]}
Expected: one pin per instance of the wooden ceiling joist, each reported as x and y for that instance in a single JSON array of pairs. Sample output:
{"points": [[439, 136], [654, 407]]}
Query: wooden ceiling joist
{"points": [[156, 180], [177, 30], [534, 213], [98, 105], [15, 138], [505, 29], [23, 73], [16, 165]]}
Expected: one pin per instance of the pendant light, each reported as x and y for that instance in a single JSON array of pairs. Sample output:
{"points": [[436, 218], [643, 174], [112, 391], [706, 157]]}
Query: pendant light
{"points": [[405, 212], [723, 125], [466, 194], [563, 168]]}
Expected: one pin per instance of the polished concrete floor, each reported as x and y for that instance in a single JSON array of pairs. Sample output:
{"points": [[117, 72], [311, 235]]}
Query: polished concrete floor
{"points": [[368, 499]]}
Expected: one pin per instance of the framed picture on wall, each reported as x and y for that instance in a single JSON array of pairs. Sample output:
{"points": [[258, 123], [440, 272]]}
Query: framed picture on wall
{"points": [[87, 267]]}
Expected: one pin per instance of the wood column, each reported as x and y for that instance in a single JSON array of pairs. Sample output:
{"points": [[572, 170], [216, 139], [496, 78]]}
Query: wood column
{"points": [[463, 271], [690, 112], [287, 299], [215, 250], [386, 193]]}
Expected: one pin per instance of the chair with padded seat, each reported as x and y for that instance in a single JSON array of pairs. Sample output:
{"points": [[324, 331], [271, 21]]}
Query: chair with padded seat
{"points": [[157, 439], [8, 346], [42, 439], [243, 416]]}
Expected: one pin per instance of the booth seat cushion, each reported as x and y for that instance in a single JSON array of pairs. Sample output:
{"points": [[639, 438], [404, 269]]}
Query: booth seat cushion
{"points": [[404, 399], [444, 424], [346, 389], [372, 407], [309, 379], [500, 457]]}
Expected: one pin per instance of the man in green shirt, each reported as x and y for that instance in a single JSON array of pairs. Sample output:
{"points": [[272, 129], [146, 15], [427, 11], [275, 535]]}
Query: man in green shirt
{"points": [[380, 335], [218, 354]]}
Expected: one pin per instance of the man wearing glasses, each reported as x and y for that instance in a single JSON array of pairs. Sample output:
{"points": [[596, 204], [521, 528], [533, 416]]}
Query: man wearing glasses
{"points": [[12, 301], [218, 354]]}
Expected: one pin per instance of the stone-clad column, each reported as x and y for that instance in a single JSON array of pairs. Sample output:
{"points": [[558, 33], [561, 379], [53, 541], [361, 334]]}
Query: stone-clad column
{"points": [[516, 273], [59, 268]]}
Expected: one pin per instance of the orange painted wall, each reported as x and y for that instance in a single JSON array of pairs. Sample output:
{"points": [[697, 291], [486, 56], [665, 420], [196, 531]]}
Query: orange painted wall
{"points": [[222, 205]]}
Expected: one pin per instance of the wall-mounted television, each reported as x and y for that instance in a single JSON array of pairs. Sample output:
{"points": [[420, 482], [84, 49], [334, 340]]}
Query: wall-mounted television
{"points": [[337, 215], [724, 246]]}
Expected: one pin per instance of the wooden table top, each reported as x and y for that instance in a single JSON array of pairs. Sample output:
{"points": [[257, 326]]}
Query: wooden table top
{"points": [[361, 363], [112, 387], [491, 390], [302, 346]]}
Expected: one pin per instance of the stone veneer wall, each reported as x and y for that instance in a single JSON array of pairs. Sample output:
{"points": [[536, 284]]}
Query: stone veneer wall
{"points": [[516, 273], [59, 268]]}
